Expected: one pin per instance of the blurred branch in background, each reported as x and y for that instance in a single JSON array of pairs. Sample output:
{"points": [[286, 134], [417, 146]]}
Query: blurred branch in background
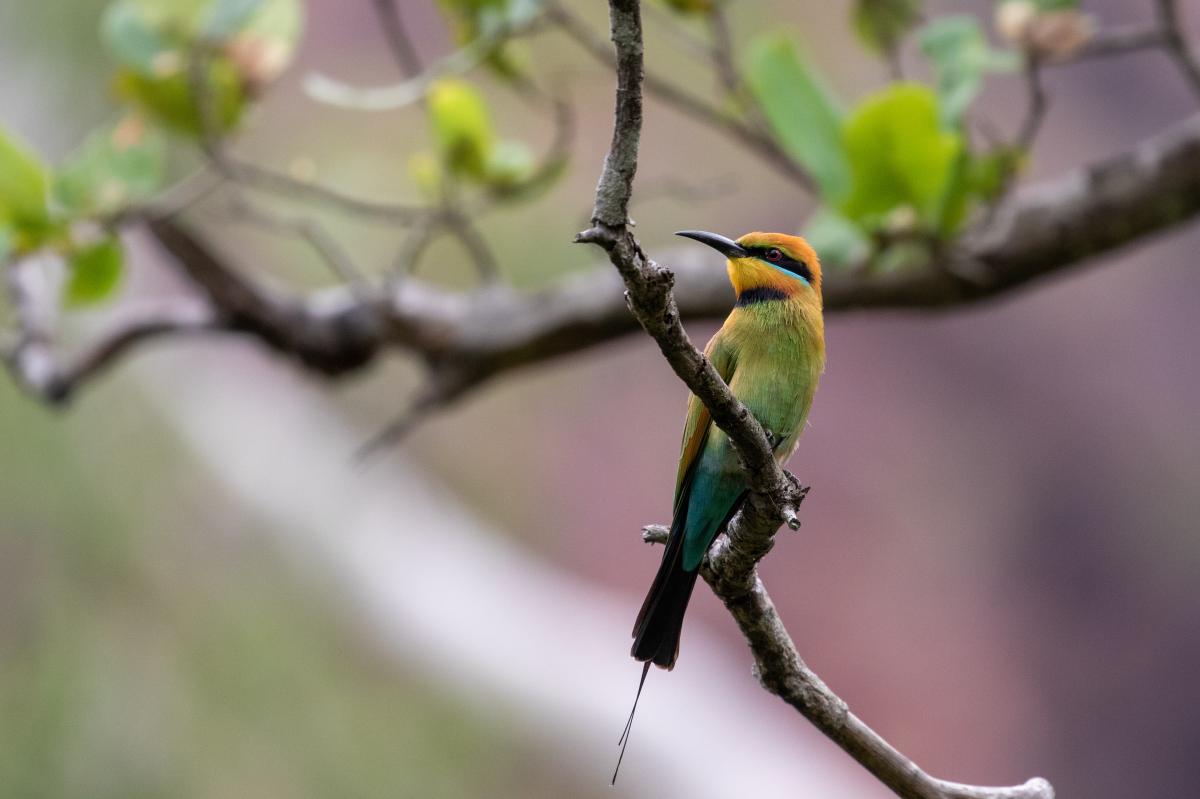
{"points": [[360, 530], [466, 339], [1177, 44]]}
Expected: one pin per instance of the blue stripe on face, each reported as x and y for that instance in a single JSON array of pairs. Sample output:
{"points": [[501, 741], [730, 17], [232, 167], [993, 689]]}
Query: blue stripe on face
{"points": [[786, 271]]}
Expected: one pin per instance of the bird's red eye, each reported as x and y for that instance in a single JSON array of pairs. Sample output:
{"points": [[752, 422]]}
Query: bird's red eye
{"points": [[774, 254]]}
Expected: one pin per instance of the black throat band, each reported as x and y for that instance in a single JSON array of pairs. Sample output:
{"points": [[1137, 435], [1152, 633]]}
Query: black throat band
{"points": [[760, 294]]}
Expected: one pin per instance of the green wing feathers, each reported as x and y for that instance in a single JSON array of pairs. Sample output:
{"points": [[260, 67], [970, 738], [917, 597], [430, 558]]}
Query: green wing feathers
{"points": [[698, 422], [658, 626]]}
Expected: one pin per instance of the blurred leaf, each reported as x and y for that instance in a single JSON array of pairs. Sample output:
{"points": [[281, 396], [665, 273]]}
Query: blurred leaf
{"points": [[116, 166], [801, 111], [1054, 5], [428, 173], [691, 6], [23, 184], [511, 162], [837, 240], [139, 39], [153, 37], [462, 127], [476, 19], [951, 209], [171, 101], [6, 243], [901, 256], [95, 272], [990, 172], [961, 56], [899, 155], [533, 182], [264, 47], [881, 24], [227, 17]]}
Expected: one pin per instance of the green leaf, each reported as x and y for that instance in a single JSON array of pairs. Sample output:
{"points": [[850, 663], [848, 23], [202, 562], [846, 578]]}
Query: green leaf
{"points": [[7, 243], [837, 240], [511, 162], [881, 24], [428, 173], [990, 172], [513, 175], [153, 37], [23, 184], [227, 17], [1055, 5], [800, 110], [117, 166], [475, 19], [139, 39], [95, 272], [171, 101], [264, 46], [462, 127], [690, 6], [899, 155], [961, 56]]}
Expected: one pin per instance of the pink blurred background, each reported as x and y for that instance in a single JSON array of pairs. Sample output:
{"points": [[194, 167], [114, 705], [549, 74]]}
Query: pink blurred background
{"points": [[999, 563]]}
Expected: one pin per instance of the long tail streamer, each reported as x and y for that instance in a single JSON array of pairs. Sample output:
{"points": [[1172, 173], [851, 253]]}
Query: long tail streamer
{"points": [[624, 742]]}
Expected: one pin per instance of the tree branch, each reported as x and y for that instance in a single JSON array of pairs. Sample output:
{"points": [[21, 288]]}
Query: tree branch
{"points": [[1043, 231], [1177, 44], [43, 372], [649, 286], [756, 143], [399, 43], [731, 565]]}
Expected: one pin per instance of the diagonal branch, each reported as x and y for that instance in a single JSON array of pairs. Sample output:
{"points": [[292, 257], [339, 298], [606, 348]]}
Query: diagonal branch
{"points": [[757, 143], [731, 566], [34, 359], [1043, 231], [649, 286], [400, 44], [1177, 44]]}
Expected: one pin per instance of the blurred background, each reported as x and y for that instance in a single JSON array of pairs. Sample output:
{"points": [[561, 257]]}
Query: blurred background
{"points": [[201, 595]]}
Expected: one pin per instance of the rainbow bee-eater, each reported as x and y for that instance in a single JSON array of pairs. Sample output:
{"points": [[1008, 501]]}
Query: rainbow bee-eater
{"points": [[771, 352]]}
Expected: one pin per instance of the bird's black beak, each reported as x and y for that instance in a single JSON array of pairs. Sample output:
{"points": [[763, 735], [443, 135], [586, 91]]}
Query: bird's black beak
{"points": [[727, 247]]}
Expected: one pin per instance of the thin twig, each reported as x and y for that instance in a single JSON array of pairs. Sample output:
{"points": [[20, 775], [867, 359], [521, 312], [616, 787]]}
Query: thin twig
{"points": [[477, 247], [42, 371], [1177, 44], [756, 143], [400, 45], [264, 179], [413, 89], [721, 52], [1117, 41], [684, 37], [1037, 103], [440, 390], [326, 247]]}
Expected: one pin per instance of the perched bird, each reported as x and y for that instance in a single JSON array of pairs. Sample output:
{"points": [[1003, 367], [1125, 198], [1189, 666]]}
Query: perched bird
{"points": [[771, 352]]}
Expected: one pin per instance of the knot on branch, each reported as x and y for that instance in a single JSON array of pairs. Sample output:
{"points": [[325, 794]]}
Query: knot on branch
{"points": [[601, 234]]}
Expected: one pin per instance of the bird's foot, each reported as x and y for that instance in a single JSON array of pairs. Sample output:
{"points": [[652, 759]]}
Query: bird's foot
{"points": [[773, 438]]}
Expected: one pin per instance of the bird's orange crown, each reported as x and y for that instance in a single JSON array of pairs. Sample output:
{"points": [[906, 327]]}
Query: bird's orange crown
{"points": [[774, 262]]}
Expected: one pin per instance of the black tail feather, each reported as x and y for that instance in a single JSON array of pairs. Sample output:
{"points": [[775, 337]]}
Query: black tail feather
{"points": [[660, 621], [624, 742]]}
